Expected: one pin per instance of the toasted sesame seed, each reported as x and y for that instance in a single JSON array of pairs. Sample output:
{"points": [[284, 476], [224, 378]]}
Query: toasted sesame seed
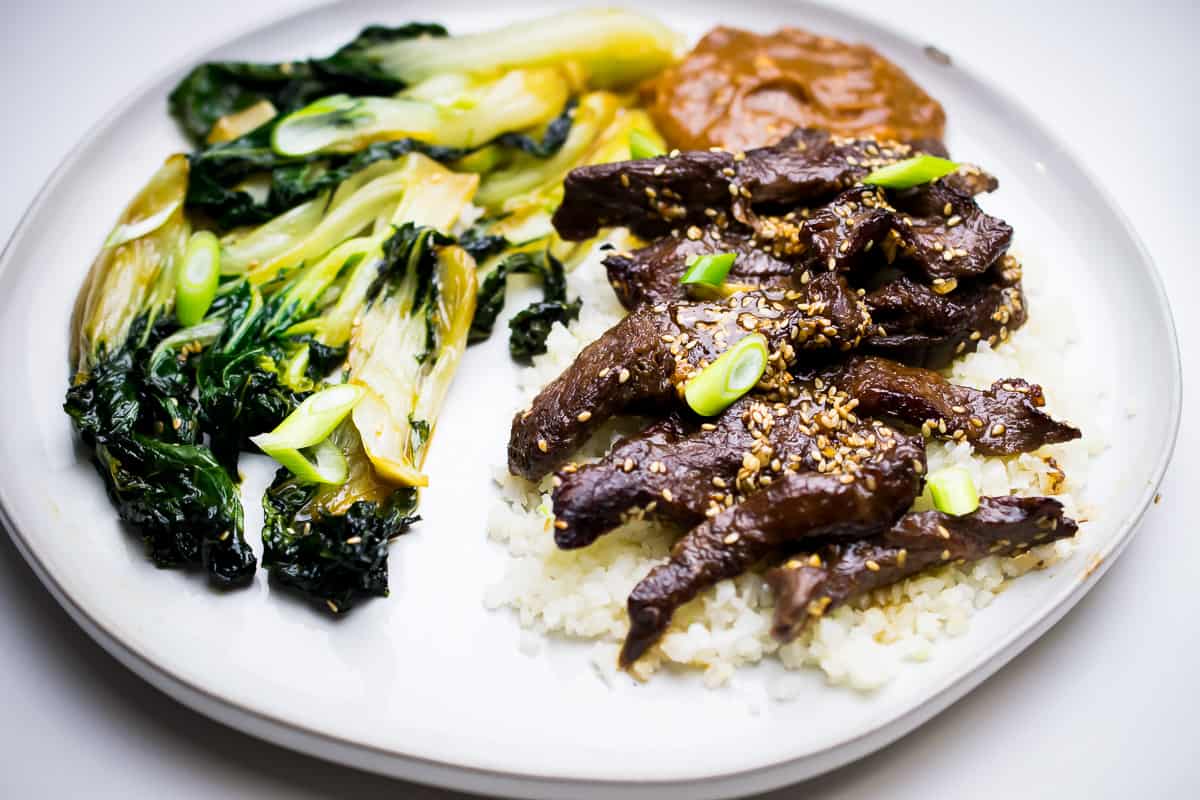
{"points": [[942, 532], [945, 555], [584, 416], [628, 465], [666, 493], [543, 445], [560, 524], [354, 540], [623, 376], [872, 565], [731, 538]]}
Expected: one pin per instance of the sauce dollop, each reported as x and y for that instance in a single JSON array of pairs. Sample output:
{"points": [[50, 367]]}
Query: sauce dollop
{"points": [[739, 90]]}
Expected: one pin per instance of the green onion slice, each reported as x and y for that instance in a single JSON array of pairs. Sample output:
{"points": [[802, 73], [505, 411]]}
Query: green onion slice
{"points": [[196, 282], [911, 172], [710, 270], [642, 146], [301, 442], [953, 491], [729, 377]]}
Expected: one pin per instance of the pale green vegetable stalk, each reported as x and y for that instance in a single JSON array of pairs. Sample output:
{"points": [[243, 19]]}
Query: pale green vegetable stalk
{"points": [[614, 47], [470, 114], [134, 274]]}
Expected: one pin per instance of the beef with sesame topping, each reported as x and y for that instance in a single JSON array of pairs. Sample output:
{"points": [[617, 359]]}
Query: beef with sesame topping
{"points": [[707, 466], [861, 501], [1005, 419], [945, 234], [651, 274], [813, 583], [927, 328], [646, 359]]}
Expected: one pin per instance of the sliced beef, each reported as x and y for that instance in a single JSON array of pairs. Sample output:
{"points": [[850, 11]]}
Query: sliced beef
{"points": [[1005, 419], [862, 497], [684, 468], [837, 236], [814, 583], [926, 328], [655, 195], [945, 234], [647, 358], [651, 274]]}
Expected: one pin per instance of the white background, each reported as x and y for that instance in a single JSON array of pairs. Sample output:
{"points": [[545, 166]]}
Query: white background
{"points": [[1104, 706]]}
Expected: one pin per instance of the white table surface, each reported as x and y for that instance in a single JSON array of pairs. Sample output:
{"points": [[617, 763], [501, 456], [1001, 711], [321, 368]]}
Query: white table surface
{"points": [[1104, 706]]}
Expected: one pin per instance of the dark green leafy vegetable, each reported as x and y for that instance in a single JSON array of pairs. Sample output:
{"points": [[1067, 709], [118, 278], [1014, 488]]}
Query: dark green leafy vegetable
{"points": [[530, 327], [217, 171], [241, 393], [143, 433], [216, 89], [337, 558], [552, 138]]}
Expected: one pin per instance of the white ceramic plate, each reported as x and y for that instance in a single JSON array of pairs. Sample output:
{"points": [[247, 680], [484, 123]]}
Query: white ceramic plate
{"points": [[429, 686]]}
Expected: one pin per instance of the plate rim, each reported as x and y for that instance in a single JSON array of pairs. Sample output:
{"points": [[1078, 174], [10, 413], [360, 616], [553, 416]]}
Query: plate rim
{"points": [[363, 755]]}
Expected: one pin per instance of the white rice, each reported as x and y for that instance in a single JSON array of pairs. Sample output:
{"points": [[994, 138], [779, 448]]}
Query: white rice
{"points": [[582, 593]]}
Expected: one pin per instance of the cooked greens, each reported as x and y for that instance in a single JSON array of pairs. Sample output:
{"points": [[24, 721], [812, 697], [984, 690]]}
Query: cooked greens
{"points": [[217, 89], [137, 415], [304, 283]]}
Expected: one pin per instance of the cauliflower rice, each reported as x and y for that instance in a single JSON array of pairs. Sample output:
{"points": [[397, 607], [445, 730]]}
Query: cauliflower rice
{"points": [[582, 593]]}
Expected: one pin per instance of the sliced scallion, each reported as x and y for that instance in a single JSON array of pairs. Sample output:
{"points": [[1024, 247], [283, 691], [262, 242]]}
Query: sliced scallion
{"points": [[911, 172], [953, 491], [722, 382], [642, 146], [196, 281], [709, 269], [301, 442]]}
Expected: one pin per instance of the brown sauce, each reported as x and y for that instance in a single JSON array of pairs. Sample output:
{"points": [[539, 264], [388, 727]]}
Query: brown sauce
{"points": [[738, 90]]}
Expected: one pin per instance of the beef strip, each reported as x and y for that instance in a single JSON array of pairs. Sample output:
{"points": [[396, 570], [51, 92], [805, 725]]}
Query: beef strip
{"points": [[684, 468], [648, 357], [652, 274], [1005, 419], [946, 235], [925, 328], [655, 195], [837, 236], [860, 496], [811, 584]]}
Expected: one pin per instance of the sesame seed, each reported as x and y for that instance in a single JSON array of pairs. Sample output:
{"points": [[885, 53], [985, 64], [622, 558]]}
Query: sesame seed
{"points": [[354, 540], [560, 524], [584, 416], [942, 532], [872, 565], [543, 445], [666, 493], [998, 429], [731, 538], [623, 376], [332, 606], [628, 465], [945, 555]]}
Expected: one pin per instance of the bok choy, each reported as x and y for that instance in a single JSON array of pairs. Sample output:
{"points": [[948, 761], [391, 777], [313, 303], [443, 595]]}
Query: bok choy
{"points": [[137, 415]]}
